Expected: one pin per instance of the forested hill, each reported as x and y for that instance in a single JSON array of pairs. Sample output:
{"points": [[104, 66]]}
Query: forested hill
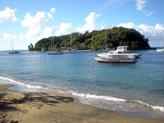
{"points": [[95, 40]]}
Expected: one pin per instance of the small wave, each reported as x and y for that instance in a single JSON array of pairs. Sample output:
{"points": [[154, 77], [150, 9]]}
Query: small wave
{"points": [[20, 83], [33, 86], [98, 97], [160, 108], [114, 99]]}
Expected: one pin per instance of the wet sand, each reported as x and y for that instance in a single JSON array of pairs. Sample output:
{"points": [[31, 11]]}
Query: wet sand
{"points": [[25, 107]]}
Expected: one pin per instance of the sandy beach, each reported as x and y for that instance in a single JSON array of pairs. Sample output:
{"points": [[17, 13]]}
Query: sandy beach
{"points": [[25, 107]]}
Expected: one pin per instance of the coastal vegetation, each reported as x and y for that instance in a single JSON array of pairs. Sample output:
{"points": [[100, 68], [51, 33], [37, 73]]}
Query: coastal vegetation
{"points": [[95, 40]]}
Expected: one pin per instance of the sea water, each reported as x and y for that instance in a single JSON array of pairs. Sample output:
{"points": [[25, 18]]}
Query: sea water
{"points": [[133, 89]]}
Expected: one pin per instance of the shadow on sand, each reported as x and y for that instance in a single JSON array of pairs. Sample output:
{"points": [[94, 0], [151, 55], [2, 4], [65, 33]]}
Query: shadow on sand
{"points": [[8, 102]]}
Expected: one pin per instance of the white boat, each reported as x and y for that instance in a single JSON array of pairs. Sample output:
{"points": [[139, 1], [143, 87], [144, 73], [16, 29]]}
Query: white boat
{"points": [[116, 57], [120, 58], [121, 50], [13, 51], [161, 50]]}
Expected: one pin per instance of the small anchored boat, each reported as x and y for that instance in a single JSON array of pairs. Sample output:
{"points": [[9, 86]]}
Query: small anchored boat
{"points": [[13, 51]]}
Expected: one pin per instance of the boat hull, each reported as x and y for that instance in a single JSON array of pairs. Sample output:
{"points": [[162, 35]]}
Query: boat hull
{"points": [[160, 50], [105, 55], [105, 60], [55, 53], [13, 52]]}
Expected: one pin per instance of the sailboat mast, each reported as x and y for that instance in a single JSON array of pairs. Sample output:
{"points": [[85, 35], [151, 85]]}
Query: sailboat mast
{"points": [[12, 44], [71, 42], [162, 40], [53, 39]]}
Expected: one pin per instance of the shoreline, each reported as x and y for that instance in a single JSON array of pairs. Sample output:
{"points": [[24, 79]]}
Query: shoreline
{"points": [[46, 107], [22, 87]]}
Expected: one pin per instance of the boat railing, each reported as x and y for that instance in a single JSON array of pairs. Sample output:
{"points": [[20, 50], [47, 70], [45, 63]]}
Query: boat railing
{"points": [[121, 56]]}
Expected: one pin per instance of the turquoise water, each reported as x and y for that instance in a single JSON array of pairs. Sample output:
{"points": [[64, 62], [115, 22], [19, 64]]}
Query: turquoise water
{"points": [[135, 89]]}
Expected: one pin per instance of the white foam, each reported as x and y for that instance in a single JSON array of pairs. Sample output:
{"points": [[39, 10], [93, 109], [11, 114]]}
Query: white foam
{"points": [[160, 108], [114, 99], [20, 83], [33, 86], [99, 97]]}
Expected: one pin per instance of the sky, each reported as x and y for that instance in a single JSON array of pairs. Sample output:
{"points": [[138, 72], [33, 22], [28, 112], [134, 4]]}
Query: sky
{"points": [[28, 21]]}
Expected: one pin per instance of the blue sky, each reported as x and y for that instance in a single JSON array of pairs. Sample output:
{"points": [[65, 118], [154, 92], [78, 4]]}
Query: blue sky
{"points": [[27, 21]]}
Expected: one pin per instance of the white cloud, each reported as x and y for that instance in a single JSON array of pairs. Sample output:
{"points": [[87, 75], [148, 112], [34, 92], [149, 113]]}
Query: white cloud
{"points": [[159, 27], [49, 15], [53, 10], [153, 33], [127, 25], [140, 4], [90, 23], [64, 28], [48, 31], [34, 23], [7, 36], [8, 14], [149, 13], [33, 33]]}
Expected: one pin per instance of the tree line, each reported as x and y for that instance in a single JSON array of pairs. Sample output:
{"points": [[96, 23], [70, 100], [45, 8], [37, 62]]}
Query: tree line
{"points": [[95, 40]]}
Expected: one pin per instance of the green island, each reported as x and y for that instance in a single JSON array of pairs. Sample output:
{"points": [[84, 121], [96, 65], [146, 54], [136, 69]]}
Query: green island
{"points": [[95, 40]]}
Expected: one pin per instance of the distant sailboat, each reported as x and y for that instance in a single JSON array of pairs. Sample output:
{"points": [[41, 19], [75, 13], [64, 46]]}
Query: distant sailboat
{"points": [[55, 52], [13, 51], [161, 50], [71, 49], [42, 50]]}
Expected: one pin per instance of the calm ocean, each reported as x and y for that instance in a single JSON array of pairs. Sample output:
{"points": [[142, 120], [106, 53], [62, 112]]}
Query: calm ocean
{"points": [[133, 89]]}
